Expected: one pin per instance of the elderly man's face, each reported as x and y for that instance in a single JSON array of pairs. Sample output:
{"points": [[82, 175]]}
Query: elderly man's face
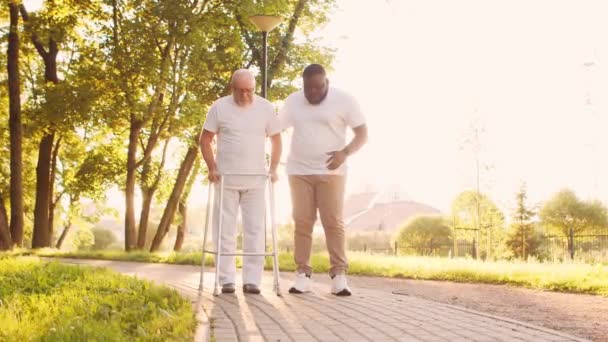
{"points": [[315, 88], [243, 90]]}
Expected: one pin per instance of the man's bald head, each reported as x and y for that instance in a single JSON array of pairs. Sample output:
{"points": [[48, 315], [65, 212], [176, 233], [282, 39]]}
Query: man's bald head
{"points": [[243, 87]]}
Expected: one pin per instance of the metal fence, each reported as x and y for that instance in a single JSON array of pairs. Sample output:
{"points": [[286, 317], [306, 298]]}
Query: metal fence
{"points": [[461, 248], [585, 247], [593, 247], [590, 247]]}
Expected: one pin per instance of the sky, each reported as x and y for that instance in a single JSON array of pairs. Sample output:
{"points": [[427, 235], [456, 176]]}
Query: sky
{"points": [[426, 71], [531, 73]]}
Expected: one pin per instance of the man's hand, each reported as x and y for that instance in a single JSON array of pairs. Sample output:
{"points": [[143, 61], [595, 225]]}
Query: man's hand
{"points": [[213, 176], [274, 176], [336, 159]]}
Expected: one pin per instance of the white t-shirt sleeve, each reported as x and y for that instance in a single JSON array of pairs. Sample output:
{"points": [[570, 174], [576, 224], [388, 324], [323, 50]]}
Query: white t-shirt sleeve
{"points": [[354, 115], [211, 121], [273, 125], [285, 119]]}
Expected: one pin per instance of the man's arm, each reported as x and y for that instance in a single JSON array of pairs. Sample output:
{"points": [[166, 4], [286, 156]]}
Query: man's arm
{"points": [[337, 158], [205, 140], [275, 155]]}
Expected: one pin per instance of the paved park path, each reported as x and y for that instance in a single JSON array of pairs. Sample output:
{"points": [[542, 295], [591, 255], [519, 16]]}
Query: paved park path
{"points": [[371, 314]]}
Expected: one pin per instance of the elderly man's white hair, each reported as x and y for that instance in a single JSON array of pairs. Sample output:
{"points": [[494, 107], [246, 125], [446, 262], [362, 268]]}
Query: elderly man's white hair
{"points": [[240, 74]]}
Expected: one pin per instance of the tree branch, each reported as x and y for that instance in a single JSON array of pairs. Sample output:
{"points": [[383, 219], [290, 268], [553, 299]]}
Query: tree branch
{"points": [[255, 53], [286, 41], [35, 39]]}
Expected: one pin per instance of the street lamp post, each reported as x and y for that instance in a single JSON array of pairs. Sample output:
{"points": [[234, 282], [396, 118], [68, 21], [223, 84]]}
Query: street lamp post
{"points": [[265, 23]]}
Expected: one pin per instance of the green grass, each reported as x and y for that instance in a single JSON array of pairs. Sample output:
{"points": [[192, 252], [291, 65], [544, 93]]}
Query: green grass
{"points": [[573, 277], [49, 301]]}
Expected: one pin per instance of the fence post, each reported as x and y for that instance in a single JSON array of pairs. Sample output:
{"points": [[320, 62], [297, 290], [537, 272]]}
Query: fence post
{"points": [[571, 243], [364, 247], [396, 248], [474, 249]]}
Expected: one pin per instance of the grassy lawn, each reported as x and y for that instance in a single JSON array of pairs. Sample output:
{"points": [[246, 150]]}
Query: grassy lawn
{"points": [[42, 301], [571, 277]]}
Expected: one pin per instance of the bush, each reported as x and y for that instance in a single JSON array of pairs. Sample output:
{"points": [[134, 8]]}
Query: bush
{"points": [[55, 302], [425, 234], [375, 241], [103, 238], [84, 239]]}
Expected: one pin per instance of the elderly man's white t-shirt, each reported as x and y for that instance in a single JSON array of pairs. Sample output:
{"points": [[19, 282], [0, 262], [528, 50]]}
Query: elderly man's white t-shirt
{"points": [[318, 129], [241, 138]]}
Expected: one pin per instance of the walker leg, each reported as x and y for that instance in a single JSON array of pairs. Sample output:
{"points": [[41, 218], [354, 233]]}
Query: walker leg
{"points": [[218, 246], [207, 220], [275, 255]]}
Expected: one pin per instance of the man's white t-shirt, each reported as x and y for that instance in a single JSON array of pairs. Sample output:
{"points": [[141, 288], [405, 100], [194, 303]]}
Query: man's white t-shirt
{"points": [[241, 138], [318, 129]]}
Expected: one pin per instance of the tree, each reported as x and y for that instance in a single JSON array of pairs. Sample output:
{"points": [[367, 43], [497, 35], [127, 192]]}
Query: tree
{"points": [[89, 174], [523, 238], [145, 40], [287, 59], [52, 28], [425, 234], [568, 215], [476, 212], [223, 50], [16, 129], [151, 176]]}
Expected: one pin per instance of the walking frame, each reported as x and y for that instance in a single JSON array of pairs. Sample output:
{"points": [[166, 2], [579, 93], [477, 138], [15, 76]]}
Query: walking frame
{"points": [[218, 245]]}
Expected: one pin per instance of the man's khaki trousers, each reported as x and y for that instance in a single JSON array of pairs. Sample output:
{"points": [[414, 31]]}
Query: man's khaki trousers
{"points": [[324, 193]]}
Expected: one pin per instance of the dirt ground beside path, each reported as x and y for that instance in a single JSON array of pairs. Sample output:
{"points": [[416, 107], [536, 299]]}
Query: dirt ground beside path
{"points": [[580, 315]]}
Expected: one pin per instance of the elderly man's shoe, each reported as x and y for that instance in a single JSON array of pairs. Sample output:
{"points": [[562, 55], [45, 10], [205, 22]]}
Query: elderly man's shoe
{"points": [[251, 288], [228, 288]]}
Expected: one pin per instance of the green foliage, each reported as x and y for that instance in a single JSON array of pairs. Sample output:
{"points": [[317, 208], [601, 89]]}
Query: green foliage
{"points": [[103, 238], [55, 302], [565, 212], [370, 241], [83, 239], [112, 71], [524, 241], [100, 168], [473, 210], [422, 232], [524, 237]]}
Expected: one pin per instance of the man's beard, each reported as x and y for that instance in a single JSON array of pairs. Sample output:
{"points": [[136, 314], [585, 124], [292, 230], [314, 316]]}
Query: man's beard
{"points": [[322, 97]]}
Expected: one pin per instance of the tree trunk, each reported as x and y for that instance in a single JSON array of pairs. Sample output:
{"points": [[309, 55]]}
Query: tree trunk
{"points": [[41, 236], [148, 191], [68, 224], [64, 233], [16, 129], [5, 237], [176, 193], [183, 208], [52, 200], [181, 228], [130, 232], [144, 217]]}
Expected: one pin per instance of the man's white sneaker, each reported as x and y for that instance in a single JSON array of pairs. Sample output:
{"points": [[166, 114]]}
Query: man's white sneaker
{"points": [[302, 284], [339, 286]]}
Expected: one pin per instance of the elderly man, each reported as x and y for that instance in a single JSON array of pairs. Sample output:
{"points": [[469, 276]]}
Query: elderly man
{"points": [[316, 167], [242, 122]]}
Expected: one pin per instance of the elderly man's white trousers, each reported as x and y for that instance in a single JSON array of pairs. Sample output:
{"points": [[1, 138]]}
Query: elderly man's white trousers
{"points": [[252, 205]]}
